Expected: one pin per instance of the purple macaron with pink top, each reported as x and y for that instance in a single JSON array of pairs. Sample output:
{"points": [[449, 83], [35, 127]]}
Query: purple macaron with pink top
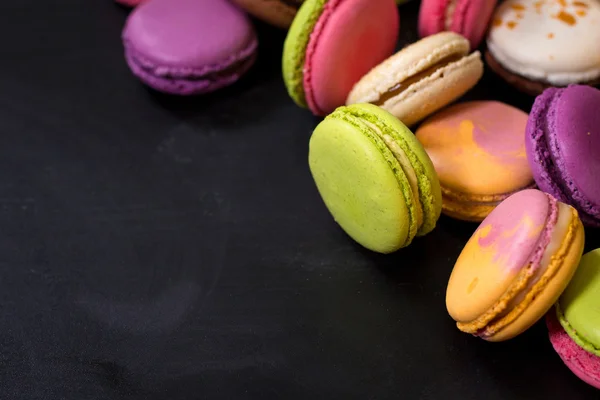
{"points": [[563, 147], [189, 47]]}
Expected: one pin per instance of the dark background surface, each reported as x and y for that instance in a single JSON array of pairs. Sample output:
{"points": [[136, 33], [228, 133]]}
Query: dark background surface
{"points": [[162, 248]]}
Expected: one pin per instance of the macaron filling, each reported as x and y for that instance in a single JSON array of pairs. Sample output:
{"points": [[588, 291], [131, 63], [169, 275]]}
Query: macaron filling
{"points": [[402, 86], [458, 203], [544, 262]]}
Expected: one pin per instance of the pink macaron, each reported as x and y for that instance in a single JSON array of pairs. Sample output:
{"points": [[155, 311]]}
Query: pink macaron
{"points": [[469, 18], [332, 44]]}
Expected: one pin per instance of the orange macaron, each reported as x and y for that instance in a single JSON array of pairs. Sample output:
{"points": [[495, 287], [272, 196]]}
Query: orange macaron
{"points": [[515, 266], [478, 151]]}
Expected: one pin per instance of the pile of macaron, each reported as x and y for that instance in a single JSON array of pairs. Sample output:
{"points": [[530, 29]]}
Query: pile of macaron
{"points": [[397, 148], [195, 47]]}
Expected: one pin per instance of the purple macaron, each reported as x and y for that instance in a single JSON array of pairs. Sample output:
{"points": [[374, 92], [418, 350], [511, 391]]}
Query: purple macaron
{"points": [[189, 47], [563, 147]]}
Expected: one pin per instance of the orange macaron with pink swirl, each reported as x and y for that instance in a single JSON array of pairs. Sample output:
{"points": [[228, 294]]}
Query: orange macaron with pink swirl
{"points": [[515, 266], [478, 151]]}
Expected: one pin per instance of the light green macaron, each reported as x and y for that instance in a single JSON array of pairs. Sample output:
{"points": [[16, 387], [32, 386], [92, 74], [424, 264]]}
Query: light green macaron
{"points": [[374, 177], [578, 308], [294, 48]]}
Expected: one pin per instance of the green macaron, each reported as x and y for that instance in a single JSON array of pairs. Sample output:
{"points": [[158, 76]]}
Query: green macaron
{"points": [[294, 48], [374, 177], [579, 305]]}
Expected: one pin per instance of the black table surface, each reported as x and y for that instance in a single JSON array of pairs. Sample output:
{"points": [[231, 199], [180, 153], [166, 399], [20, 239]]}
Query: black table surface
{"points": [[155, 247]]}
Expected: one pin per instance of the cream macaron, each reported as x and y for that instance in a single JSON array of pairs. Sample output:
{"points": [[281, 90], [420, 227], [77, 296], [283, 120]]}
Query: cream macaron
{"points": [[534, 44], [421, 78]]}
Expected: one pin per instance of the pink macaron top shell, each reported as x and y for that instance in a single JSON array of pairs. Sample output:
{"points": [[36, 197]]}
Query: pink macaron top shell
{"points": [[470, 18], [583, 364], [350, 38], [432, 17], [574, 144], [514, 229], [189, 33]]}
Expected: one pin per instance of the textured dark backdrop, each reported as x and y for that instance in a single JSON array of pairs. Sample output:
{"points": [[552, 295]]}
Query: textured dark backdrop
{"points": [[163, 248]]}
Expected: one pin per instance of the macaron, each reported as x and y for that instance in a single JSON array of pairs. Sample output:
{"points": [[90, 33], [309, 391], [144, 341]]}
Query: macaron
{"points": [[188, 47], [478, 151], [332, 44], [374, 177], [421, 78], [470, 18], [563, 147], [279, 13], [515, 266], [574, 327], [535, 44]]}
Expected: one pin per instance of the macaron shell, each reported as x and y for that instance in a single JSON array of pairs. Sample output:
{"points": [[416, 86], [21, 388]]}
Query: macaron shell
{"points": [[353, 175], [432, 17], [567, 257], [524, 85], [583, 364], [545, 148], [495, 254], [294, 48], [579, 302], [551, 41], [478, 148], [536, 145], [437, 91], [429, 194], [405, 63], [274, 12], [349, 39], [471, 19], [225, 29], [574, 140]]}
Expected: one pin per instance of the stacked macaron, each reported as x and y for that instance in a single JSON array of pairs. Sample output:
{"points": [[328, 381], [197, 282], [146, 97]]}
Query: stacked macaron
{"points": [[528, 177], [525, 261], [190, 47]]}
